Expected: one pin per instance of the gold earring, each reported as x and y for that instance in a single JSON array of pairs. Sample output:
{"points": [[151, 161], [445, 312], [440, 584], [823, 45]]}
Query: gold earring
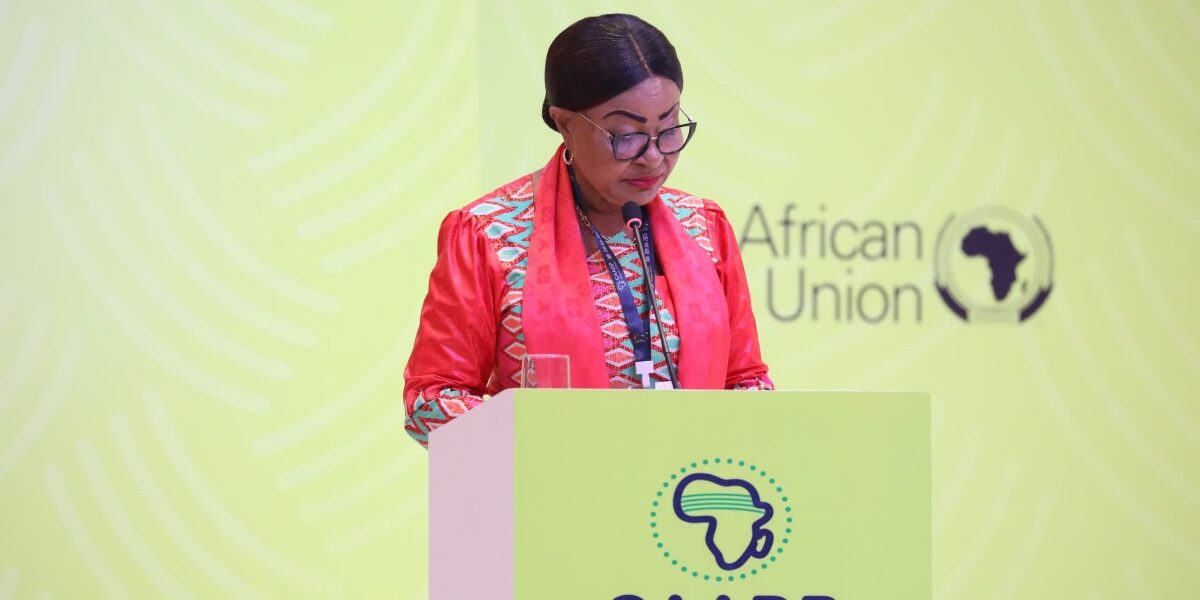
{"points": [[567, 158]]}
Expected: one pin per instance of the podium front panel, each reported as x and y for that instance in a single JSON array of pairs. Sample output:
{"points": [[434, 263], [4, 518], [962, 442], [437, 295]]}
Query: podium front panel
{"points": [[642, 495]]}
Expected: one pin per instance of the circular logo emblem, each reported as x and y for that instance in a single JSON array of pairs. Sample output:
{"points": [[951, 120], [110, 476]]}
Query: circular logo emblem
{"points": [[994, 264], [721, 519]]}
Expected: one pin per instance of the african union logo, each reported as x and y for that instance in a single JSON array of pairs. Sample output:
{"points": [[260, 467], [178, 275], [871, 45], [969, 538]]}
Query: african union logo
{"points": [[994, 264], [721, 519]]}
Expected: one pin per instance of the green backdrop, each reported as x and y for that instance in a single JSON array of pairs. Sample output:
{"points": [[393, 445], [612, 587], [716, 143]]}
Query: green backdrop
{"points": [[219, 217]]}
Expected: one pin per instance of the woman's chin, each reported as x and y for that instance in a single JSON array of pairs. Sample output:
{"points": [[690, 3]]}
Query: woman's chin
{"points": [[641, 197], [644, 197]]}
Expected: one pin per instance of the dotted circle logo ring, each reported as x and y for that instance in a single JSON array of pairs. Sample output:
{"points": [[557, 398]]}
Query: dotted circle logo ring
{"points": [[721, 519]]}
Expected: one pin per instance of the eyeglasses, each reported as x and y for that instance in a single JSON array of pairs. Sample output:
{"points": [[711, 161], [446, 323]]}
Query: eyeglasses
{"points": [[629, 146]]}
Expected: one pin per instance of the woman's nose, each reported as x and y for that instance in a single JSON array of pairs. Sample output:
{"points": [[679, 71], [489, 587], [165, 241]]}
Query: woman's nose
{"points": [[651, 157]]}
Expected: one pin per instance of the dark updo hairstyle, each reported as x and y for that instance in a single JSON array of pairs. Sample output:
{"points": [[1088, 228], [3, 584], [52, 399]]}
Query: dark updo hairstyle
{"points": [[598, 58]]}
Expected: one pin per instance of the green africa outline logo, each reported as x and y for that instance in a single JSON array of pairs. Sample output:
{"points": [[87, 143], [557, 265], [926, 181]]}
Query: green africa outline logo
{"points": [[721, 519], [994, 264]]}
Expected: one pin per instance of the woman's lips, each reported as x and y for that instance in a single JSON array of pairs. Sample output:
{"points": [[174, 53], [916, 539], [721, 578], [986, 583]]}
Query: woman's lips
{"points": [[643, 183]]}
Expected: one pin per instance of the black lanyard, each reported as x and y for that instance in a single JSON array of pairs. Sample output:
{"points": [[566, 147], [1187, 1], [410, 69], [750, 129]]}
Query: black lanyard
{"points": [[639, 328]]}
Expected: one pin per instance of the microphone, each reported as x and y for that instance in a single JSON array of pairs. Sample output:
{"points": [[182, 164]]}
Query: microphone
{"points": [[632, 213]]}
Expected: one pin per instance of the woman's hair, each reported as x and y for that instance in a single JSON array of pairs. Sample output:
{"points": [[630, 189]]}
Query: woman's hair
{"points": [[598, 58]]}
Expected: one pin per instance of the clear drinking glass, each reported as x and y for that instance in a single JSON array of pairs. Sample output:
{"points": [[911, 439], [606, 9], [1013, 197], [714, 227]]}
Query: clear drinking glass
{"points": [[546, 371]]}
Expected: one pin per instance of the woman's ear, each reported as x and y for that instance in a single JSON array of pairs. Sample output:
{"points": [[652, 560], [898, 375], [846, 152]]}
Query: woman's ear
{"points": [[561, 118]]}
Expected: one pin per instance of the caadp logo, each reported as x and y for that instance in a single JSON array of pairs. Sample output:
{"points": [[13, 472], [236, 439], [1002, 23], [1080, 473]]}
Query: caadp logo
{"points": [[721, 519]]}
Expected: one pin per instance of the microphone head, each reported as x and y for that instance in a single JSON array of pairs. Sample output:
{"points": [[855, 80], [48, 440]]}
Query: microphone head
{"points": [[632, 213]]}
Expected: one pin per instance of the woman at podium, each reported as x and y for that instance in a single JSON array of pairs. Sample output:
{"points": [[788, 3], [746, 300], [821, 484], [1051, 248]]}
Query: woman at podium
{"points": [[548, 263]]}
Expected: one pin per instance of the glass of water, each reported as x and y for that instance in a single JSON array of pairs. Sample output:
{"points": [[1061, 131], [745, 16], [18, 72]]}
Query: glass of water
{"points": [[546, 371]]}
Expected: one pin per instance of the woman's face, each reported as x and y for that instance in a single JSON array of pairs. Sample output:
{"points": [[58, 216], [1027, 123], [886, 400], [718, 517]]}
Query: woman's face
{"points": [[649, 107]]}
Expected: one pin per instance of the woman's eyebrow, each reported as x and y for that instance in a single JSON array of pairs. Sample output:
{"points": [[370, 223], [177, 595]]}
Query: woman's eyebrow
{"points": [[639, 118], [624, 113]]}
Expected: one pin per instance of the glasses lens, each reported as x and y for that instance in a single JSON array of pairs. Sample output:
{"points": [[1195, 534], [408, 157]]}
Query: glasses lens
{"points": [[630, 145], [674, 139]]}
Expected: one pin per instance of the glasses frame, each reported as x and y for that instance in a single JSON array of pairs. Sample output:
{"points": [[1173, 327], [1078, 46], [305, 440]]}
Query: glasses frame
{"points": [[614, 138]]}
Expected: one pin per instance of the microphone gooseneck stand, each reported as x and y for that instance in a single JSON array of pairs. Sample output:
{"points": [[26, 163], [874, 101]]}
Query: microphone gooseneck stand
{"points": [[633, 219]]}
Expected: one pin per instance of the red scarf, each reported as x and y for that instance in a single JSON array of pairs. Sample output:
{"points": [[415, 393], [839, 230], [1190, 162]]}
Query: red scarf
{"points": [[559, 311]]}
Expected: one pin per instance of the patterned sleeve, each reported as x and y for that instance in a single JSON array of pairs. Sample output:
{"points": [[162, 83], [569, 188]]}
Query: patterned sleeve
{"points": [[746, 369], [432, 408], [454, 352]]}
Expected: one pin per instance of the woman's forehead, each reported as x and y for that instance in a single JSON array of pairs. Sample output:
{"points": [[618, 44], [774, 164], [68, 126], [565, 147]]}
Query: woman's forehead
{"points": [[654, 98]]}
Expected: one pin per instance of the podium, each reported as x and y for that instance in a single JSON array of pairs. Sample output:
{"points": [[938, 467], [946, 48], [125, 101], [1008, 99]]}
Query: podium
{"points": [[682, 495]]}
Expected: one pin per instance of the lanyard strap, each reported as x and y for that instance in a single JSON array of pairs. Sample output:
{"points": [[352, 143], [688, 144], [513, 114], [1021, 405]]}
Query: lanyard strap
{"points": [[639, 328]]}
